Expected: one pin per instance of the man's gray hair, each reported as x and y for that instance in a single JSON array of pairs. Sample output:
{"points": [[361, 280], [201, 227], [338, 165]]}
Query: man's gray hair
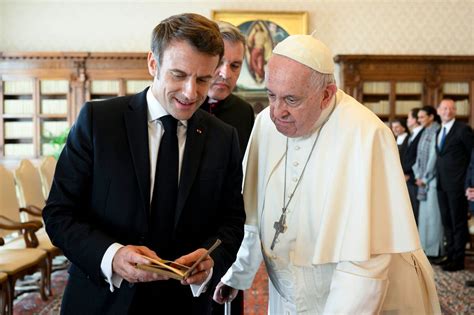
{"points": [[231, 33], [322, 80]]}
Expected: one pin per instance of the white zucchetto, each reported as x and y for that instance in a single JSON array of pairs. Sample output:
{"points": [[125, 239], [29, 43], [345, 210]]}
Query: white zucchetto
{"points": [[308, 51]]}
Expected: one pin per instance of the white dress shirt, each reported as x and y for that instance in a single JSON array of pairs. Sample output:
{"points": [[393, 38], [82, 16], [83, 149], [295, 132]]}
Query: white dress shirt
{"points": [[448, 127], [155, 131], [401, 138], [414, 133]]}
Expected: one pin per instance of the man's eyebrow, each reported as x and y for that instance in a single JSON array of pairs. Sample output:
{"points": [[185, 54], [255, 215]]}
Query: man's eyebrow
{"points": [[177, 70], [206, 77]]}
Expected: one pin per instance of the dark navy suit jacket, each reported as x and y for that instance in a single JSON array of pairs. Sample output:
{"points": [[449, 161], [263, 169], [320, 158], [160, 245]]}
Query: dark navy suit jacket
{"points": [[454, 157], [101, 195], [408, 156]]}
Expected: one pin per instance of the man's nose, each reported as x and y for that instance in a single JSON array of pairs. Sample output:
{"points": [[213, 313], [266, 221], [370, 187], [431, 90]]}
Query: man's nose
{"points": [[189, 89], [279, 108], [224, 71]]}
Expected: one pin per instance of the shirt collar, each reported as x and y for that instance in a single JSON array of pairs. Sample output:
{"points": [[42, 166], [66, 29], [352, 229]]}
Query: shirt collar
{"points": [[401, 138], [212, 101], [449, 124], [155, 110], [417, 129]]}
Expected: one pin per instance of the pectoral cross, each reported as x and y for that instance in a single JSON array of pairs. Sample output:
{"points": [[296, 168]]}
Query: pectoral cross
{"points": [[280, 227]]}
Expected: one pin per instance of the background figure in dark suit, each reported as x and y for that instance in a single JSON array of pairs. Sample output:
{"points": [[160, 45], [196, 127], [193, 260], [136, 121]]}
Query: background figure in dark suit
{"points": [[401, 132], [106, 206], [470, 195], [409, 158], [221, 102], [230, 108], [454, 144]]}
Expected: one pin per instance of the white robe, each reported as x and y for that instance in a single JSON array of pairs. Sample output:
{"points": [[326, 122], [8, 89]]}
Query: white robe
{"points": [[351, 245]]}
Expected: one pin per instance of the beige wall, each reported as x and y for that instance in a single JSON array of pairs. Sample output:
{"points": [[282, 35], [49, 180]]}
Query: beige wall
{"points": [[440, 27]]}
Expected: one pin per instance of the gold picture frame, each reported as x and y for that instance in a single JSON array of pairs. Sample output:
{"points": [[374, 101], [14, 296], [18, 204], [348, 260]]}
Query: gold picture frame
{"points": [[263, 30], [292, 22]]}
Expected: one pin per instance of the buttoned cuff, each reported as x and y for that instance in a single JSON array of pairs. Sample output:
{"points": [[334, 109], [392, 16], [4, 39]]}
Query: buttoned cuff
{"points": [[198, 289], [113, 279]]}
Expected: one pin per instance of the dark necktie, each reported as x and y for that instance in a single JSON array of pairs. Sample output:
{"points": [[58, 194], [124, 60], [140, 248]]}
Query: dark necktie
{"points": [[443, 139], [165, 190]]}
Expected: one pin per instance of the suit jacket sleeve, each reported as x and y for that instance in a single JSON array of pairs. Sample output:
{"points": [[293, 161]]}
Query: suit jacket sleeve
{"points": [[231, 226], [230, 215], [467, 138], [68, 214]]}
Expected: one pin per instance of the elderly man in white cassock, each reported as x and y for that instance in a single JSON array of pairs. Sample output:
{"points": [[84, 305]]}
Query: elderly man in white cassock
{"points": [[327, 205]]}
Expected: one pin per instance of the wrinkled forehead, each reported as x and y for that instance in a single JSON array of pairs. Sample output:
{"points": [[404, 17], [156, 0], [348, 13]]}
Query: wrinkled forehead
{"points": [[233, 49]]}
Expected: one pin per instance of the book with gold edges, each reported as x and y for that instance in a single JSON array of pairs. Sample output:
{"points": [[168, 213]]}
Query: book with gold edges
{"points": [[172, 269]]}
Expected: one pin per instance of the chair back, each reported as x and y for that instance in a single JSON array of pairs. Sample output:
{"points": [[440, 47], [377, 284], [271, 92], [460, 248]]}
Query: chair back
{"points": [[29, 185], [46, 171], [9, 206]]}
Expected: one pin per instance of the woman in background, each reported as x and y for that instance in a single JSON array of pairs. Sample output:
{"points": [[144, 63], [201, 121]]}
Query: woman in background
{"points": [[401, 132], [429, 217]]}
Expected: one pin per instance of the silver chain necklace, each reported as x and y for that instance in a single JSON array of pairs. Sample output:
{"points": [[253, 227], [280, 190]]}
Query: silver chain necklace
{"points": [[280, 225]]}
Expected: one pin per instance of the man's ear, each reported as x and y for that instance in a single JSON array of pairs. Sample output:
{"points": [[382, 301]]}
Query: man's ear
{"points": [[152, 64], [328, 93]]}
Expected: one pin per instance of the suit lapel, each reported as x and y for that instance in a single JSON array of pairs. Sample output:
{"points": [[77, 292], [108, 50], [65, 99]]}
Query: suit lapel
{"points": [[450, 135], [196, 135], [137, 133], [448, 139], [414, 142], [438, 151]]}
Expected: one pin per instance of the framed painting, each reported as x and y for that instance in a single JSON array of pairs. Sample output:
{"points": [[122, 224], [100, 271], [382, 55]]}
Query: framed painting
{"points": [[263, 31]]}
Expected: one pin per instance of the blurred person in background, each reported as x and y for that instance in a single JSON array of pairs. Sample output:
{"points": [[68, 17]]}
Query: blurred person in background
{"points": [[401, 132], [454, 145], [409, 158], [221, 102], [430, 227]]}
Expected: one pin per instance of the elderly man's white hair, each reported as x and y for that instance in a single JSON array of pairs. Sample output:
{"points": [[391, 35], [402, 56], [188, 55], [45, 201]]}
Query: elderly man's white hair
{"points": [[308, 51]]}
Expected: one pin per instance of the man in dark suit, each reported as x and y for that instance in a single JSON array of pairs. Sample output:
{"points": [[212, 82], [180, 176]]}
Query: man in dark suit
{"points": [[221, 102], [408, 158], [115, 198], [454, 144]]}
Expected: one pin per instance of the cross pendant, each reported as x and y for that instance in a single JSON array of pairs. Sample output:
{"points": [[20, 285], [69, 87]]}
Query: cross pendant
{"points": [[280, 227]]}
